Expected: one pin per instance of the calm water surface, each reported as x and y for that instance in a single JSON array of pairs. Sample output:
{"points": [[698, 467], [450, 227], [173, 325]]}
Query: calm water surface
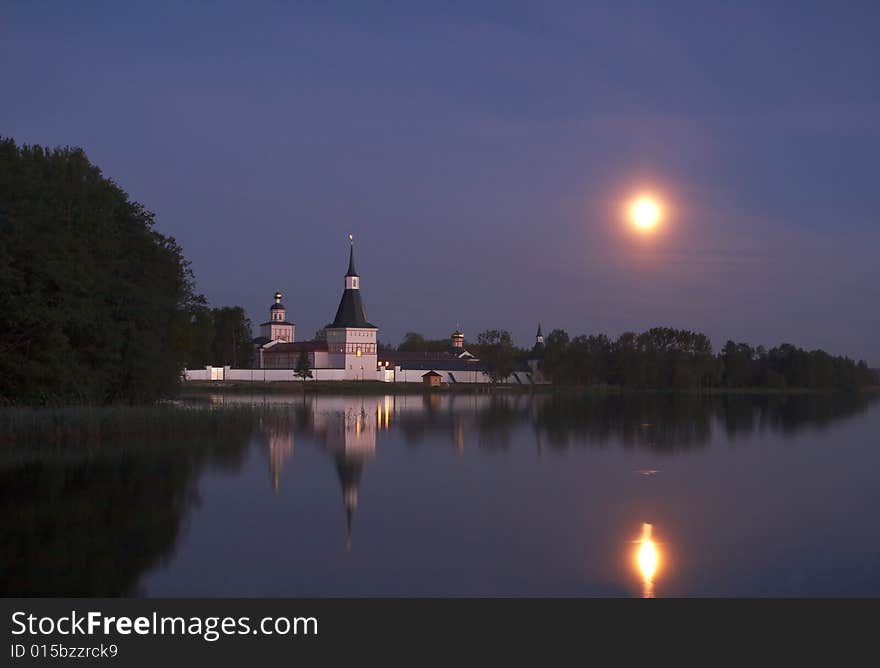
{"points": [[634, 495]]}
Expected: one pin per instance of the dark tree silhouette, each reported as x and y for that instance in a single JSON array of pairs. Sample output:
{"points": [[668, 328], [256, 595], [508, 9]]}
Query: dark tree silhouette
{"points": [[496, 353], [96, 304], [664, 357], [303, 368]]}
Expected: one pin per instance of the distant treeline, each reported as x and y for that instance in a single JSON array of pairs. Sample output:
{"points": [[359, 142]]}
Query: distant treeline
{"points": [[96, 305], [664, 357], [219, 336]]}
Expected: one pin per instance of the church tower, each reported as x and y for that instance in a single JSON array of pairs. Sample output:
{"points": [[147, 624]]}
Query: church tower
{"points": [[351, 338], [457, 340], [537, 353], [277, 328]]}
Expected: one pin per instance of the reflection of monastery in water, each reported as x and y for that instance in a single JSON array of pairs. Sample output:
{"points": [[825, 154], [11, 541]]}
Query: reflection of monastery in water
{"points": [[280, 450], [348, 431], [348, 428], [349, 351], [352, 430]]}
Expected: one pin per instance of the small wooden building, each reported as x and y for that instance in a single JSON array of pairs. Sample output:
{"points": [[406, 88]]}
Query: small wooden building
{"points": [[431, 379]]}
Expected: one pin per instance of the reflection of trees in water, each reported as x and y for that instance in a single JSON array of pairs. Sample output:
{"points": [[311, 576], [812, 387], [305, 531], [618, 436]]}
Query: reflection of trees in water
{"points": [[495, 422], [788, 414], [668, 422], [91, 519], [656, 421], [491, 419], [435, 416]]}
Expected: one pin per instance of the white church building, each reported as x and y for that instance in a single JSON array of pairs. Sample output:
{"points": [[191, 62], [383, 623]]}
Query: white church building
{"points": [[350, 351], [350, 347]]}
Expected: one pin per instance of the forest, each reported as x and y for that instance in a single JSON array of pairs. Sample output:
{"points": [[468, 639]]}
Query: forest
{"points": [[97, 306], [661, 358], [664, 357]]}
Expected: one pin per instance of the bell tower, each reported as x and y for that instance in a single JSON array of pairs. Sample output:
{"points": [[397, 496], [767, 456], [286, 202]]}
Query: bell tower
{"points": [[278, 328], [351, 338], [457, 340], [537, 354]]}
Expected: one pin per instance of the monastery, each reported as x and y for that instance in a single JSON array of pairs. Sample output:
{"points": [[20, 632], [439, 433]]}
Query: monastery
{"points": [[350, 351]]}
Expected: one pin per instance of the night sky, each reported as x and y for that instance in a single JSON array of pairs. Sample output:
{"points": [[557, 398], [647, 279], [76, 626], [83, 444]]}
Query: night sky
{"points": [[481, 154]]}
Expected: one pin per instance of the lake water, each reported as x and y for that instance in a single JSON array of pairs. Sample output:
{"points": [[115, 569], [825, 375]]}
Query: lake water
{"points": [[509, 495]]}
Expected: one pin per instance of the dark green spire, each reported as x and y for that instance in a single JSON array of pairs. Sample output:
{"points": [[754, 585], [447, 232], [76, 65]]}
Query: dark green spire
{"points": [[351, 271]]}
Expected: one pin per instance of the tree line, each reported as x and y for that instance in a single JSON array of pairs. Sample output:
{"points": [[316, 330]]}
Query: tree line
{"points": [[96, 305], [220, 336], [664, 357], [661, 358]]}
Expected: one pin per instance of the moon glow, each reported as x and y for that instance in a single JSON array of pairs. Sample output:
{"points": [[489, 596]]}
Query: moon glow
{"points": [[645, 213]]}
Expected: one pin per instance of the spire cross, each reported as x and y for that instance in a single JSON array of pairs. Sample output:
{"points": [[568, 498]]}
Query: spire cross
{"points": [[351, 275]]}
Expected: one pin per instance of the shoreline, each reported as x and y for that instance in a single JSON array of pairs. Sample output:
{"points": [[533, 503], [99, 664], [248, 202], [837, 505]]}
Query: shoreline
{"points": [[369, 387]]}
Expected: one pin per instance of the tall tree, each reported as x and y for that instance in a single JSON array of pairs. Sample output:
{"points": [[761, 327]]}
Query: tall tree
{"points": [[93, 298], [303, 368], [553, 365], [496, 353], [197, 335], [415, 342], [232, 337], [412, 342]]}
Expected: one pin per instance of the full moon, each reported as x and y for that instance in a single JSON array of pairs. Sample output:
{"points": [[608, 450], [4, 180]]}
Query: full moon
{"points": [[645, 213]]}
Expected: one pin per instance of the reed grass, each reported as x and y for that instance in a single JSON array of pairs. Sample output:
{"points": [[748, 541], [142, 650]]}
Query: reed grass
{"points": [[94, 425]]}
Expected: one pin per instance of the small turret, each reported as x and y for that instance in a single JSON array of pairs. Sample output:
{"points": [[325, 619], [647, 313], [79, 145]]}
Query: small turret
{"points": [[538, 349], [277, 312], [457, 339], [277, 328]]}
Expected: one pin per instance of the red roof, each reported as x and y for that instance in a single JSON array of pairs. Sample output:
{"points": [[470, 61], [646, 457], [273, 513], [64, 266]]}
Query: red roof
{"points": [[299, 346], [414, 356]]}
